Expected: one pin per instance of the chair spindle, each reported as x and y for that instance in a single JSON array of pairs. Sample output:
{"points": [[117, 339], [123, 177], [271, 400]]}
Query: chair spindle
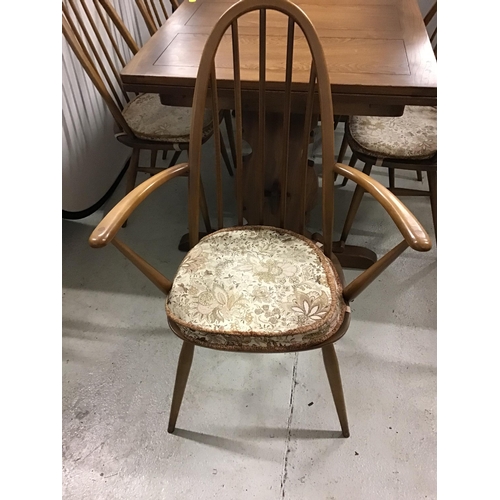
{"points": [[286, 120], [239, 121]]}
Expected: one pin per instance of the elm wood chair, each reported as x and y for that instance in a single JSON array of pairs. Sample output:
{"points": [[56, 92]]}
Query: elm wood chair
{"points": [[103, 44], [255, 288], [154, 13], [408, 142]]}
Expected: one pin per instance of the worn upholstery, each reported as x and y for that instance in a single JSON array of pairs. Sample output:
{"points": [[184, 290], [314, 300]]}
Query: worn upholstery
{"points": [[256, 288], [150, 119], [411, 136]]}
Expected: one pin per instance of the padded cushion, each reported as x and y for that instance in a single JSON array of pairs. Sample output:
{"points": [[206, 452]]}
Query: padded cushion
{"points": [[256, 288], [411, 136], [150, 119]]}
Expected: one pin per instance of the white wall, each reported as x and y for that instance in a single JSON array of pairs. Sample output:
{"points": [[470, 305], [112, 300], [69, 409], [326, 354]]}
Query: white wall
{"points": [[91, 156]]}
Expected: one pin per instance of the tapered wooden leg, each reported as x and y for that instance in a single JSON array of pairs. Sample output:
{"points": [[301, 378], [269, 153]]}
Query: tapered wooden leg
{"points": [[355, 202], [183, 368], [152, 161], [333, 373], [432, 178], [132, 174], [132, 170], [392, 178], [352, 163], [225, 156], [419, 175], [343, 149], [230, 134], [174, 158]]}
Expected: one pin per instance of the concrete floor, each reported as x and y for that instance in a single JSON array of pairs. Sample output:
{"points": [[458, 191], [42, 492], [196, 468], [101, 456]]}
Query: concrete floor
{"points": [[252, 426]]}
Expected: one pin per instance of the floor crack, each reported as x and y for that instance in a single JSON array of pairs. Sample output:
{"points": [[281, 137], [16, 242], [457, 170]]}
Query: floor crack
{"points": [[284, 472]]}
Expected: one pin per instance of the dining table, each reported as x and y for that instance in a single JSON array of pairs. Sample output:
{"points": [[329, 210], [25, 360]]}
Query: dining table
{"points": [[379, 60]]}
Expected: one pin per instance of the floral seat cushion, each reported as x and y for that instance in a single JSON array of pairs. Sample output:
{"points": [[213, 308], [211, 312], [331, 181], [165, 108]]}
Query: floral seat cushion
{"points": [[150, 119], [256, 288], [411, 136]]}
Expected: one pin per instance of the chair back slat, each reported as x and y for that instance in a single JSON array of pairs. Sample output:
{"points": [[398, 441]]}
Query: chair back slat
{"points": [[430, 15], [262, 113], [150, 12], [154, 13], [90, 43], [111, 38], [286, 120], [120, 25], [81, 53], [164, 8], [305, 143], [218, 166], [148, 19], [239, 121], [265, 119], [427, 21]]}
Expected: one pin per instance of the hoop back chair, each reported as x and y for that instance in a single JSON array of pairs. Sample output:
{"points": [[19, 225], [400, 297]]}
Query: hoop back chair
{"points": [[257, 288], [408, 142], [103, 45]]}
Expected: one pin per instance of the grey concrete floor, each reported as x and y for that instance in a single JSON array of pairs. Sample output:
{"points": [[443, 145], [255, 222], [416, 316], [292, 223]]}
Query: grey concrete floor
{"points": [[252, 426]]}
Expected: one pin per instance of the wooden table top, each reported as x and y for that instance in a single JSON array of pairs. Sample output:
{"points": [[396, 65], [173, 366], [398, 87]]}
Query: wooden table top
{"points": [[378, 53]]}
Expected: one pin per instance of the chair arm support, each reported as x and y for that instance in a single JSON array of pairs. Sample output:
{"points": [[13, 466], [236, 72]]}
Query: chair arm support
{"points": [[111, 224], [358, 285], [412, 231]]}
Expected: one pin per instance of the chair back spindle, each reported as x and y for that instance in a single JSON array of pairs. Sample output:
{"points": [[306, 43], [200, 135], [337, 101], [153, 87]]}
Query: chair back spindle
{"points": [[239, 122], [318, 86], [154, 13], [103, 45]]}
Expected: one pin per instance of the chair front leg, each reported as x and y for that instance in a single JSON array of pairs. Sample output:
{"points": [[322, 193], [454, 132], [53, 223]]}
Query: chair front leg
{"points": [[333, 373], [183, 369]]}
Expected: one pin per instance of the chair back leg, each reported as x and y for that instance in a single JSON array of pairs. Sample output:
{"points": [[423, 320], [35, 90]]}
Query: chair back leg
{"points": [[333, 373], [183, 369]]}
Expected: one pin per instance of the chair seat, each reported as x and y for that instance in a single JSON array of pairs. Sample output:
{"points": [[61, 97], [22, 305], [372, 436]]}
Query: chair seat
{"points": [[256, 288], [410, 136], [150, 119]]}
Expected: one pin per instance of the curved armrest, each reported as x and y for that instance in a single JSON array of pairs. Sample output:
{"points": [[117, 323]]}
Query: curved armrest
{"points": [[111, 224], [412, 231]]}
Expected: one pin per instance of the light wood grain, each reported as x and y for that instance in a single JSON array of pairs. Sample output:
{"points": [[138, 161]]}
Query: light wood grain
{"points": [[376, 48]]}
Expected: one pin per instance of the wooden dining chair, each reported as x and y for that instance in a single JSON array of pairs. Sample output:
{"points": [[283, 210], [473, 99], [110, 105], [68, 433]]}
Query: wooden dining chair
{"points": [[408, 142], [103, 45], [255, 288], [154, 13]]}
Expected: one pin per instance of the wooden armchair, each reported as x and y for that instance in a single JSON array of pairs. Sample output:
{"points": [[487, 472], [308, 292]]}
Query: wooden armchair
{"points": [[408, 142], [261, 288], [103, 45]]}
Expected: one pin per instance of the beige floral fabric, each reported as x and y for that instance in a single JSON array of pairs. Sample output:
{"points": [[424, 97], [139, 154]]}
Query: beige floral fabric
{"points": [[411, 136], [256, 288], [150, 119]]}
